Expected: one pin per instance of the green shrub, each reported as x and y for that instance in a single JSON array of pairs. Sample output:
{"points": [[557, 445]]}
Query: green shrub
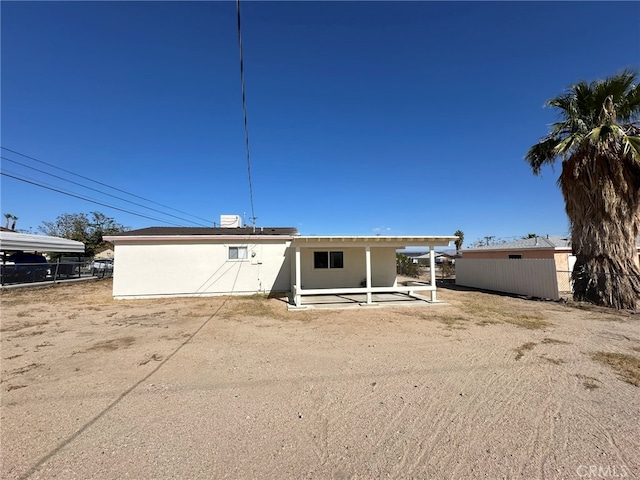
{"points": [[405, 266]]}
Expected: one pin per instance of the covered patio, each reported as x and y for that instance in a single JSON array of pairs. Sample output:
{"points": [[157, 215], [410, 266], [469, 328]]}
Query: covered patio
{"points": [[357, 270]]}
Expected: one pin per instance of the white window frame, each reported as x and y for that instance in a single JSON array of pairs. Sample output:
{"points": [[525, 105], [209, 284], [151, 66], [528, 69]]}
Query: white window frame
{"points": [[238, 250]]}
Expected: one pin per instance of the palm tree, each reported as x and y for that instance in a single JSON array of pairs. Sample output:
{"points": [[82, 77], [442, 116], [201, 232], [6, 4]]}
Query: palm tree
{"points": [[598, 139], [460, 240]]}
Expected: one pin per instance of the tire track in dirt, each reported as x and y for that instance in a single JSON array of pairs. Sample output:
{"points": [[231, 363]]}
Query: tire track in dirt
{"points": [[607, 435], [318, 436], [482, 414], [425, 412], [537, 439], [440, 417], [555, 408]]}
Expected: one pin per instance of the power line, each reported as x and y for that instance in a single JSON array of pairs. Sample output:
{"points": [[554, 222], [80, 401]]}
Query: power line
{"points": [[105, 185], [100, 191], [6, 174], [244, 110]]}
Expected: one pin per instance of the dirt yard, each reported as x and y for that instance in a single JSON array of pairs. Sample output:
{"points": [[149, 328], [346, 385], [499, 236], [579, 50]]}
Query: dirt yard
{"points": [[487, 386]]}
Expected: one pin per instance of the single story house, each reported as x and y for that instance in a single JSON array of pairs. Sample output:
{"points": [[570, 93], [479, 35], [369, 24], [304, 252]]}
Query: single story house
{"points": [[557, 248], [554, 247], [441, 257], [104, 254], [194, 261]]}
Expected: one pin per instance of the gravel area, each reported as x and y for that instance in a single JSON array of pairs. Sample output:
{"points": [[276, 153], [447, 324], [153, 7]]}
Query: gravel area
{"points": [[487, 386]]}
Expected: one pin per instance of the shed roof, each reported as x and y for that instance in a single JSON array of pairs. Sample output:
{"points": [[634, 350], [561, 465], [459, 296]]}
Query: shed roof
{"points": [[26, 242], [549, 242]]}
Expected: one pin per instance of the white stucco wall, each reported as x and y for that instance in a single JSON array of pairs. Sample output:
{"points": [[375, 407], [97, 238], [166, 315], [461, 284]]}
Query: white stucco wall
{"points": [[383, 268], [150, 269]]}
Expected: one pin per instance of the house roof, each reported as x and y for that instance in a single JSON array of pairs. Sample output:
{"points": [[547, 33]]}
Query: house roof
{"points": [[549, 242], [187, 234], [26, 242], [164, 231], [157, 234]]}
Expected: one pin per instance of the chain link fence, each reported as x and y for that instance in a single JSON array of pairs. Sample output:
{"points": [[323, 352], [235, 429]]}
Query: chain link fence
{"points": [[63, 269], [565, 284]]}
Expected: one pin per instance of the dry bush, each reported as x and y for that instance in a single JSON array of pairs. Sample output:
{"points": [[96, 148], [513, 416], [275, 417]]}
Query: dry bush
{"points": [[522, 348], [627, 366]]}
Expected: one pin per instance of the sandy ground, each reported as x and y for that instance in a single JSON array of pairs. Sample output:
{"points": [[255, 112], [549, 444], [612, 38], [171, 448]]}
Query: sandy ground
{"points": [[487, 386]]}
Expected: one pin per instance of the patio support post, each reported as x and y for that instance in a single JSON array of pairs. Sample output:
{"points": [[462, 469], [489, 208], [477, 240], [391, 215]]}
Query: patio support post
{"points": [[432, 272], [367, 254], [297, 285]]}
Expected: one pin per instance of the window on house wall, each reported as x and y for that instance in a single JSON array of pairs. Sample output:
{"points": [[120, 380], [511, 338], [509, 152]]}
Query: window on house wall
{"points": [[328, 260], [336, 260], [237, 253], [515, 256]]}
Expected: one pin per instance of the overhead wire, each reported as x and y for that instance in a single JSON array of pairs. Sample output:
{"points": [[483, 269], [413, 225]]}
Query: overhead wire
{"points": [[100, 191], [248, 157], [106, 185], [33, 182], [244, 110]]}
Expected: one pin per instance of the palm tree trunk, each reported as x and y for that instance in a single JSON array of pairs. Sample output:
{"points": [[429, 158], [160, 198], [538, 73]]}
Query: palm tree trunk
{"points": [[601, 188], [597, 280]]}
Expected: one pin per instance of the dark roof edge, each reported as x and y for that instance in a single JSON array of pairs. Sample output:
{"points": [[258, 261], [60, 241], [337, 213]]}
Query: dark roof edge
{"points": [[194, 231]]}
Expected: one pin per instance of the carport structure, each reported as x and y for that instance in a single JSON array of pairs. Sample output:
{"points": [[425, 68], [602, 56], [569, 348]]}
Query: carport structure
{"points": [[25, 242], [26, 267], [347, 265]]}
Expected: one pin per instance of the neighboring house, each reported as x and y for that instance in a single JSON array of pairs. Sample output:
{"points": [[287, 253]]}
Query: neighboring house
{"points": [[554, 247], [441, 257], [105, 254], [185, 261]]}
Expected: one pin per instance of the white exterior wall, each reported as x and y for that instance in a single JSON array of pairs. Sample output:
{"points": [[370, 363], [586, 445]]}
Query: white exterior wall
{"points": [[534, 277], [384, 271], [150, 269], [383, 268]]}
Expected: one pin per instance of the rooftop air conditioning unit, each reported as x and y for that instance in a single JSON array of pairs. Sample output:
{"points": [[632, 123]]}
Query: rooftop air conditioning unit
{"points": [[230, 221]]}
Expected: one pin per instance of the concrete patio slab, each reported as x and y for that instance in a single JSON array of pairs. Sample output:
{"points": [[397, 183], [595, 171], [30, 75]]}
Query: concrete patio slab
{"points": [[360, 300]]}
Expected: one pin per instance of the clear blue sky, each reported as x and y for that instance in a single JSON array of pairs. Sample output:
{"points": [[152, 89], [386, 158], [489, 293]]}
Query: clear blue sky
{"points": [[399, 118]]}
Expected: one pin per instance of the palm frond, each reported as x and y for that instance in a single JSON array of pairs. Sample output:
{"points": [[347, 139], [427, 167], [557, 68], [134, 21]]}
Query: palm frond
{"points": [[542, 153], [631, 147], [567, 145], [629, 106]]}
